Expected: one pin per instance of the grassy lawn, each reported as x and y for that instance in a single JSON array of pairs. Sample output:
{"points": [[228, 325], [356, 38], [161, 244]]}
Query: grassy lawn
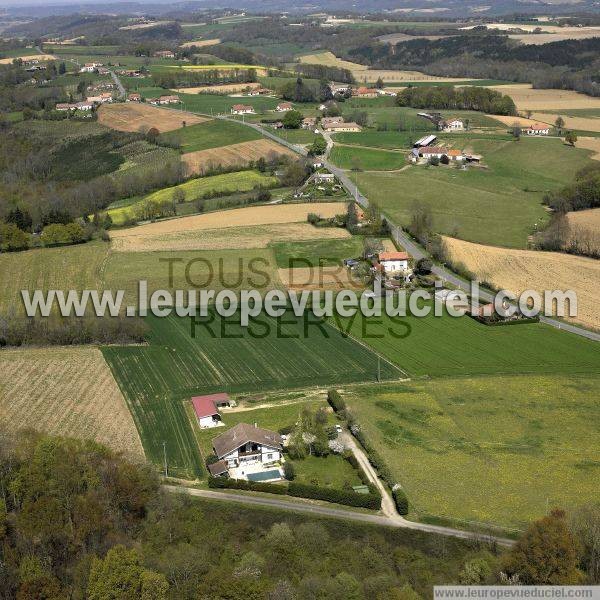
{"points": [[297, 136], [391, 140], [316, 253], [367, 159], [214, 104], [499, 205], [274, 417], [496, 450], [239, 181], [326, 471], [450, 346], [211, 134], [158, 379]]}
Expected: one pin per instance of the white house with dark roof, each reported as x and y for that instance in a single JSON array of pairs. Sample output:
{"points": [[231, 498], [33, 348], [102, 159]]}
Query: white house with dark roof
{"points": [[246, 444]]}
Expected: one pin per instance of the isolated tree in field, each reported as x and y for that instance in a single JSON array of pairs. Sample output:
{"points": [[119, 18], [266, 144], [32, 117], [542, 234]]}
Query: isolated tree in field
{"points": [[517, 130], [379, 84], [318, 147], [546, 554], [571, 138], [152, 134], [559, 123], [529, 114]]}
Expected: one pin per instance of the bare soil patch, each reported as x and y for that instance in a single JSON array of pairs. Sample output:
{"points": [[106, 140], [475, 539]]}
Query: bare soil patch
{"points": [[68, 392], [9, 60], [238, 217], [234, 155], [226, 88], [585, 228], [201, 43], [259, 236], [135, 116], [518, 270]]}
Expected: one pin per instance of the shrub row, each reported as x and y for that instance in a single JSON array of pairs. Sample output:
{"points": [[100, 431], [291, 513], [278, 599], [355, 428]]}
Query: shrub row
{"points": [[522, 321], [375, 458], [336, 401], [242, 484], [372, 501], [349, 456], [401, 501]]}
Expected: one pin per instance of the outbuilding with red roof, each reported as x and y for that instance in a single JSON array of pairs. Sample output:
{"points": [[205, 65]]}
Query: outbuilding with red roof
{"points": [[206, 409]]}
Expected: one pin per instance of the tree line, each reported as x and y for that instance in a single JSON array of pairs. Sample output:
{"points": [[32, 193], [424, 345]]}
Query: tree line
{"points": [[464, 98]]}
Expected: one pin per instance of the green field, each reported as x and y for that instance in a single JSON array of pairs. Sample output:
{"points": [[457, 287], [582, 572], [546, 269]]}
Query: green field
{"points": [[316, 253], [367, 159], [493, 450], [157, 379], [239, 181], [211, 134], [379, 139], [450, 346], [499, 205]]}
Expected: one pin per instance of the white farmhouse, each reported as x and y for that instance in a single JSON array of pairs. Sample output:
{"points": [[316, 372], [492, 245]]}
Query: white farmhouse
{"points": [[394, 262], [453, 124], [538, 129], [242, 109], [246, 444]]}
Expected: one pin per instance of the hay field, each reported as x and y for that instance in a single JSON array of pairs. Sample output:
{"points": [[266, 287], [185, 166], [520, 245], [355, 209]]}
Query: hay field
{"points": [[144, 25], [363, 74], [581, 123], [590, 143], [518, 270], [259, 236], [201, 43], [135, 116], [510, 121], [260, 71], [238, 217], [527, 98], [9, 60], [233, 155], [226, 88], [547, 38], [68, 392]]}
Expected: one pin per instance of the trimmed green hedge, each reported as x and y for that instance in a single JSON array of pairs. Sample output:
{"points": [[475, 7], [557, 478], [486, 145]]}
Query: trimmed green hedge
{"points": [[242, 484], [372, 501], [401, 501], [336, 401], [523, 321]]}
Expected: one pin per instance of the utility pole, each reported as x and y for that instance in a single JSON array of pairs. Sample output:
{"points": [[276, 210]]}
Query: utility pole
{"points": [[165, 458]]}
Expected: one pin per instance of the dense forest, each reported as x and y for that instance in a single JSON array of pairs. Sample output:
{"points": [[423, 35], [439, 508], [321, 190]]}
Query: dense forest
{"points": [[78, 521], [570, 64]]}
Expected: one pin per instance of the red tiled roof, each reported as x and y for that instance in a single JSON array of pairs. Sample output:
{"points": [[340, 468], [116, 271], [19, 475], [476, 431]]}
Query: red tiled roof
{"points": [[206, 406], [393, 256]]}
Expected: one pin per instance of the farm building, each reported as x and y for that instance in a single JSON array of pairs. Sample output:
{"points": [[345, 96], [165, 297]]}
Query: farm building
{"points": [[84, 105], [134, 97], [309, 122], [246, 449], [284, 107], [64, 106], [453, 154], [343, 127], [90, 67], [393, 262], [164, 54], [327, 121], [452, 124], [242, 109], [339, 88], [206, 409], [433, 151], [365, 92], [425, 141], [538, 129]]}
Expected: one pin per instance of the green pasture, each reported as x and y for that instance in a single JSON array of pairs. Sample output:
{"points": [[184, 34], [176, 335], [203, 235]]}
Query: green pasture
{"points": [[239, 181], [219, 355], [326, 253], [367, 159], [449, 346], [211, 134], [498, 205], [496, 450]]}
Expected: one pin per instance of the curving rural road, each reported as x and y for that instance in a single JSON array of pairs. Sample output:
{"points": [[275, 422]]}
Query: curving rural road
{"points": [[408, 243], [335, 513]]}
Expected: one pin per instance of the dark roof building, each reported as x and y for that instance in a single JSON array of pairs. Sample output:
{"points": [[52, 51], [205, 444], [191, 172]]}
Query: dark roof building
{"points": [[242, 434]]}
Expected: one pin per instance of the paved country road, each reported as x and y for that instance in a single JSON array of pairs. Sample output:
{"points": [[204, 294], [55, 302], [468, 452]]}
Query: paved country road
{"points": [[118, 83], [335, 513], [404, 240]]}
